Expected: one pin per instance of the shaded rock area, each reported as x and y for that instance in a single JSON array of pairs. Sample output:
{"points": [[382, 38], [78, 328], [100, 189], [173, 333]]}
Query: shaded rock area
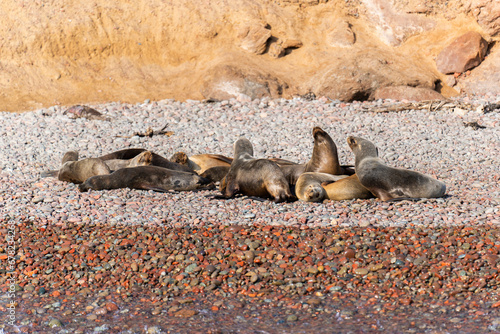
{"points": [[407, 93], [87, 51]]}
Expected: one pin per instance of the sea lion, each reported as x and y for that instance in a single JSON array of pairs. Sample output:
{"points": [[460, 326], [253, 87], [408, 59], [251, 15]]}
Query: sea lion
{"points": [[146, 178], [216, 174], [201, 162], [92, 166], [316, 187], [387, 182], [324, 159], [157, 160], [78, 171], [254, 177]]}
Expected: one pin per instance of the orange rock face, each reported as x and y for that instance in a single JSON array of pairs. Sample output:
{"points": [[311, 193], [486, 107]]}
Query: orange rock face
{"points": [[82, 52]]}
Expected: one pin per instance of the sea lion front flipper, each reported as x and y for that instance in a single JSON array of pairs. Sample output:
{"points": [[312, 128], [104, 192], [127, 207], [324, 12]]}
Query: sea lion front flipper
{"points": [[49, 173]]}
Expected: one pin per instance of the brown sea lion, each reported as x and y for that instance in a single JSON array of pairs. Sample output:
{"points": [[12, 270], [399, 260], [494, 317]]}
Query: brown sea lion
{"points": [[201, 162], [254, 177], [78, 171], [146, 178], [157, 160], [316, 187], [387, 182], [324, 159]]}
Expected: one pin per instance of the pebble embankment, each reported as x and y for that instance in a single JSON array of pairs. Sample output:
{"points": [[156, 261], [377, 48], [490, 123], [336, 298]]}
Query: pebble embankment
{"points": [[129, 261]]}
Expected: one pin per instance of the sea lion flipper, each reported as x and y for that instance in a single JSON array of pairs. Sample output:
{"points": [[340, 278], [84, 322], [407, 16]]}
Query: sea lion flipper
{"points": [[283, 162], [49, 173], [220, 157]]}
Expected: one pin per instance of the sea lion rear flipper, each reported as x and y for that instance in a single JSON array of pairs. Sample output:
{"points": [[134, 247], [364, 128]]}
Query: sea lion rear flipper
{"points": [[49, 173]]}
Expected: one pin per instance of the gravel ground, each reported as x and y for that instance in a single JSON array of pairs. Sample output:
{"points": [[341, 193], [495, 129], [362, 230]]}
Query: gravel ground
{"points": [[128, 261]]}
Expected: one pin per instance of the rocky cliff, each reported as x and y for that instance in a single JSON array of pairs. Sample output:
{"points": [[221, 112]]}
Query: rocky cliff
{"points": [[54, 52]]}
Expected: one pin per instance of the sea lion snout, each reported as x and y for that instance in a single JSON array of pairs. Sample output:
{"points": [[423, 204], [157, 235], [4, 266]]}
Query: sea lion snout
{"points": [[351, 141]]}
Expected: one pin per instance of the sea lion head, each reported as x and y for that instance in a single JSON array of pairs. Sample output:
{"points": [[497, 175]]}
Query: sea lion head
{"points": [[69, 156], [242, 147], [314, 193], [180, 158], [362, 148]]}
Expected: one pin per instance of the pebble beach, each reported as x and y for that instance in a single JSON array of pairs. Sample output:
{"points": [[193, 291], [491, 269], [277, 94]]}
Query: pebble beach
{"points": [[131, 261]]}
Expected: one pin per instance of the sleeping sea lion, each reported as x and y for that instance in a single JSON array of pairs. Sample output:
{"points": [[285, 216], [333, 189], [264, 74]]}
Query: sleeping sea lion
{"points": [[316, 187], [387, 182], [146, 178], [254, 177]]}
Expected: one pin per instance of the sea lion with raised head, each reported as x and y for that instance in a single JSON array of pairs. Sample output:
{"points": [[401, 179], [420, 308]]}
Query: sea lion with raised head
{"points": [[316, 187], [146, 178], [254, 177], [324, 159], [387, 182]]}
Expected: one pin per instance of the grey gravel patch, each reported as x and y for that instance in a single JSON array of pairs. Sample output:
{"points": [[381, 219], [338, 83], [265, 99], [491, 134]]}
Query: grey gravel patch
{"points": [[435, 143]]}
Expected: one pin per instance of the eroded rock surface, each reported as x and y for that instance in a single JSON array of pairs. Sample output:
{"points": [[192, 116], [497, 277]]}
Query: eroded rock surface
{"points": [[81, 52]]}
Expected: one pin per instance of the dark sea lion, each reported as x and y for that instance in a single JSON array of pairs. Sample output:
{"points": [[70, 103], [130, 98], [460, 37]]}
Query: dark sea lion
{"points": [[146, 178], [254, 177], [324, 159], [216, 174], [387, 182], [201, 162], [157, 159]]}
